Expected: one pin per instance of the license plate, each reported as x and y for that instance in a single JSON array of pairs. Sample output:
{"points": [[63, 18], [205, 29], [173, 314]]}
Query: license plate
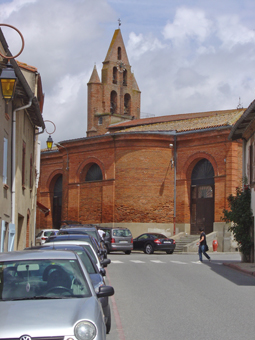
{"points": [[167, 242], [123, 242]]}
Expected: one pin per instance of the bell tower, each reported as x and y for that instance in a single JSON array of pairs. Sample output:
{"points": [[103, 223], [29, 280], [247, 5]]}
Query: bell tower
{"points": [[116, 98]]}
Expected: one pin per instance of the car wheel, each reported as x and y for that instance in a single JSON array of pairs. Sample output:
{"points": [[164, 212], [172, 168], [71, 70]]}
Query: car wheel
{"points": [[128, 252], [148, 249], [108, 323], [169, 251]]}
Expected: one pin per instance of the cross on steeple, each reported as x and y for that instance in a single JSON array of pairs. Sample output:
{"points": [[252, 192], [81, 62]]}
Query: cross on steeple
{"points": [[119, 22]]}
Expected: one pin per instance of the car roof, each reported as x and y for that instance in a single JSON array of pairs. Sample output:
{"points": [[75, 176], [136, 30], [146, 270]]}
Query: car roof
{"points": [[49, 246], [37, 255], [64, 237]]}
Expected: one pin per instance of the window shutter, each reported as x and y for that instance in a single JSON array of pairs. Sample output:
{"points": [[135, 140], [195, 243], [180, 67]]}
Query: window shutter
{"points": [[11, 237]]}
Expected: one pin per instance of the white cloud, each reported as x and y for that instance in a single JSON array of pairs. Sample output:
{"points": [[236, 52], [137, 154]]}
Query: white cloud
{"points": [[138, 45], [231, 32], [188, 24]]}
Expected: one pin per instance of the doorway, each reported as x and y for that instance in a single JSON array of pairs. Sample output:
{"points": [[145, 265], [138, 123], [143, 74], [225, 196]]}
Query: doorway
{"points": [[57, 203], [202, 197]]}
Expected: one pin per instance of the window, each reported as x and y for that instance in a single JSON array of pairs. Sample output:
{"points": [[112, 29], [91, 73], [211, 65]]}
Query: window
{"points": [[113, 108], [94, 173], [31, 172], [125, 78], [23, 163], [119, 53], [127, 104], [114, 75], [100, 120], [5, 161]]}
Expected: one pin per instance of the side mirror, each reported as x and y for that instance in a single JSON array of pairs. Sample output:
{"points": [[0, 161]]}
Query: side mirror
{"points": [[105, 291], [105, 262]]}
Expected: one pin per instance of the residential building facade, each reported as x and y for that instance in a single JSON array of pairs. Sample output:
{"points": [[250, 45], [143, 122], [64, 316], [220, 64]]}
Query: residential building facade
{"points": [[21, 121]]}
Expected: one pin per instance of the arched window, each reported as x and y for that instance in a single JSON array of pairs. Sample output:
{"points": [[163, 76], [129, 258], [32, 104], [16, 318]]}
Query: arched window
{"points": [[113, 108], [202, 173], [119, 53], [114, 75], [125, 78], [94, 173], [127, 104]]}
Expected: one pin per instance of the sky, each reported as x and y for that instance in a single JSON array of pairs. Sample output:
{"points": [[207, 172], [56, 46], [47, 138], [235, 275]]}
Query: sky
{"points": [[187, 55]]}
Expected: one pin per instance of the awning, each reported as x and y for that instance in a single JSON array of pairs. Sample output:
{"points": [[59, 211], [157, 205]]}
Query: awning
{"points": [[42, 208]]}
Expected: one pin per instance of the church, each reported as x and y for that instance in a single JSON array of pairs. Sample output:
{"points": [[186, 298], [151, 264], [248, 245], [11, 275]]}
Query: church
{"points": [[170, 174]]}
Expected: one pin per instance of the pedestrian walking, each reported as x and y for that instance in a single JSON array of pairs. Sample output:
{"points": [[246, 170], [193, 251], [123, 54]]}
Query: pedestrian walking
{"points": [[202, 246]]}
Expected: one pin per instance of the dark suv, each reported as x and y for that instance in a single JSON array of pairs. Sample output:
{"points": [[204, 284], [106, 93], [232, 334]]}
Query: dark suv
{"points": [[118, 239]]}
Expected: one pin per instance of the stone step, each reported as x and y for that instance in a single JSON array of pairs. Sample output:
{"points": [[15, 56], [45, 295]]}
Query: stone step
{"points": [[183, 241]]}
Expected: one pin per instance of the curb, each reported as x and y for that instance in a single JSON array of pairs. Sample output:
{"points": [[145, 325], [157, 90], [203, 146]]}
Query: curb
{"points": [[236, 267]]}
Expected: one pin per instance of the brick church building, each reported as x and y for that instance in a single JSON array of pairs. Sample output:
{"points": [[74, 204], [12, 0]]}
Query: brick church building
{"points": [[171, 174]]}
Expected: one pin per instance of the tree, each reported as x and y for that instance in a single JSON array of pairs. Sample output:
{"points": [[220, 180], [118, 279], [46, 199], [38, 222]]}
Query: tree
{"points": [[240, 214]]}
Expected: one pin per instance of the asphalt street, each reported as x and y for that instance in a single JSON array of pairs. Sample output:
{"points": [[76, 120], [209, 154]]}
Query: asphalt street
{"points": [[163, 296]]}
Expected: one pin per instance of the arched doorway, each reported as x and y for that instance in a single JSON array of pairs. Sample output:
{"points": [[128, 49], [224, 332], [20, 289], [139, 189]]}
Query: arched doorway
{"points": [[202, 197], [57, 203]]}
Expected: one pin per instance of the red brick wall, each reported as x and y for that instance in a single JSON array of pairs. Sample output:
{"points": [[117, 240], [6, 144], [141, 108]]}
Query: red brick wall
{"points": [[138, 181]]}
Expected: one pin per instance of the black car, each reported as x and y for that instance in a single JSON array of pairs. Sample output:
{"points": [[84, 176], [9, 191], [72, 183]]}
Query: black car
{"points": [[96, 276], [150, 242]]}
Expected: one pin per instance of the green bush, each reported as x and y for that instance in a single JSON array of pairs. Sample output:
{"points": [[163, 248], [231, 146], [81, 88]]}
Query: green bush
{"points": [[240, 214]]}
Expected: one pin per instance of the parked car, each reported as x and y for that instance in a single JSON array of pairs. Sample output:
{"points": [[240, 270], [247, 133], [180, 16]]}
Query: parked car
{"points": [[96, 275], [118, 239], [42, 236], [84, 229], [57, 284], [85, 237], [149, 242], [83, 241]]}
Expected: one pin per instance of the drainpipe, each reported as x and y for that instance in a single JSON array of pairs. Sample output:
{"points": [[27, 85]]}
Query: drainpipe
{"points": [[175, 166], [14, 155]]}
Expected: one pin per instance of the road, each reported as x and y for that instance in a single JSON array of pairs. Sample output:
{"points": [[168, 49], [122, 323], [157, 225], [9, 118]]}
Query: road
{"points": [[163, 296]]}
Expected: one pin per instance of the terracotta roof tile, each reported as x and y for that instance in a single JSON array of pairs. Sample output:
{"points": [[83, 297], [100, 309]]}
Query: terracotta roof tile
{"points": [[189, 123]]}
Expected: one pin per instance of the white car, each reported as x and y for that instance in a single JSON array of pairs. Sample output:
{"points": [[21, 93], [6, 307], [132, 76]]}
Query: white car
{"points": [[42, 236], [90, 249]]}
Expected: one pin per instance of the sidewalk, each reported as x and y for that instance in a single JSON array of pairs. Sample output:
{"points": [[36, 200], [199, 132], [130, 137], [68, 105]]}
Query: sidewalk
{"points": [[247, 268]]}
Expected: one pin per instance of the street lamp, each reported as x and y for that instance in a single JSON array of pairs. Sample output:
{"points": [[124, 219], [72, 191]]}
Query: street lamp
{"points": [[8, 82], [8, 77], [49, 143]]}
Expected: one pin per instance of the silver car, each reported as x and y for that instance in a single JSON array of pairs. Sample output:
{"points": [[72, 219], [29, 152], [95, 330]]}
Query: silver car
{"points": [[49, 294]]}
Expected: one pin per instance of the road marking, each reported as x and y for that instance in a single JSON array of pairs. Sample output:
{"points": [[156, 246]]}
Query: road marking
{"points": [[116, 261], [137, 261], [178, 262], [157, 261], [197, 262]]}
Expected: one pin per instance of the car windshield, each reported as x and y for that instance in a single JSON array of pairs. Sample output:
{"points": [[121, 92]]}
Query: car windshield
{"points": [[121, 232], [42, 279], [48, 233]]}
